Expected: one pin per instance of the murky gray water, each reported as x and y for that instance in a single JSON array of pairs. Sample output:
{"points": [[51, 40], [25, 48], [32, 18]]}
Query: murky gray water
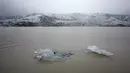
{"points": [[17, 46]]}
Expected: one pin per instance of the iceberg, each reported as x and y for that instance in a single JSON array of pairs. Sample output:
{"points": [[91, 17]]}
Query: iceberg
{"points": [[51, 55], [99, 51]]}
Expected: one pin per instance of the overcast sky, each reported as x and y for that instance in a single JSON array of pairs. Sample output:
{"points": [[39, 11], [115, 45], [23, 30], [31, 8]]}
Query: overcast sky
{"points": [[20, 7]]}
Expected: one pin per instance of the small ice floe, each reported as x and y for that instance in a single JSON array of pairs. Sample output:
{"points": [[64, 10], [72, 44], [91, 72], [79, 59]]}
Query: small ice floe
{"points": [[99, 51], [51, 55]]}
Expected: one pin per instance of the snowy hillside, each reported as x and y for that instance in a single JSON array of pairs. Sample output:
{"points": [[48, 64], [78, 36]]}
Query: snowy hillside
{"points": [[93, 19], [74, 19], [35, 19]]}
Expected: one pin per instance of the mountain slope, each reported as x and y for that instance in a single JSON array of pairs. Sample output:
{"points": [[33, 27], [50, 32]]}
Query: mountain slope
{"points": [[94, 19], [74, 19]]}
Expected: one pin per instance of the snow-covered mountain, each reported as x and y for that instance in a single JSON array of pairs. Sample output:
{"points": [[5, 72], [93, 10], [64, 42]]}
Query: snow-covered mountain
{"points": [[35, 19], [93, 19], [73, 19]]}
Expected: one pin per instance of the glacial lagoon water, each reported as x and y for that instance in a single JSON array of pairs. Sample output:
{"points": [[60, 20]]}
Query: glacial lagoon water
{"points": [[17, 46]]}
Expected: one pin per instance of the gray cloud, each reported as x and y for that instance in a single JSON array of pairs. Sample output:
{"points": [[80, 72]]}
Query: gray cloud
{"points": [[20, 7]]}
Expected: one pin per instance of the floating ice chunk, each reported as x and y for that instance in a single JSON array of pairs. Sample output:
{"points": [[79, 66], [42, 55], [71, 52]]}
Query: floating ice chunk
{"points": [[99, 51], [44, 54], [48, 54]]}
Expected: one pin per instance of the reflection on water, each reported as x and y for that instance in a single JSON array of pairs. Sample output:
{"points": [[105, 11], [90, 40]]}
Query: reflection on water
{"points": [[18, 44]]}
